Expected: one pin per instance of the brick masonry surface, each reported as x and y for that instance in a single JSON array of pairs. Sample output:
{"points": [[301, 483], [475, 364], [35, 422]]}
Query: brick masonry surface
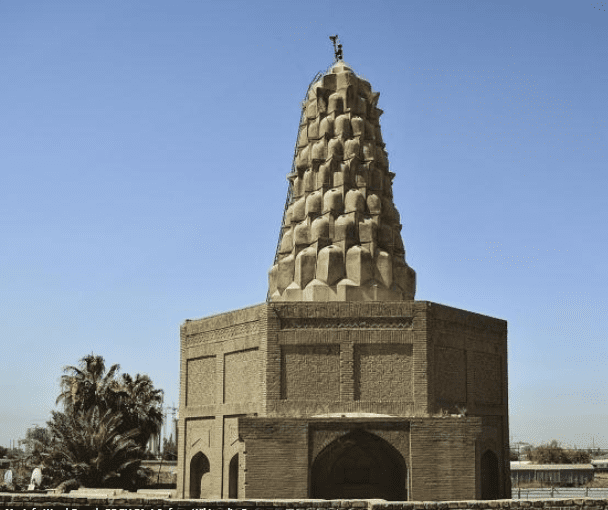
{"points": [[201, 374], [383, 372], [409, 359], [242, 382], [310, 372], [41, 501]]}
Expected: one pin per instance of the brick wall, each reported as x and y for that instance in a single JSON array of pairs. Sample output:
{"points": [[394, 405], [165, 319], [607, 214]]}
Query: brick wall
{"points": [[451, 377], [200, 380], [222, 374], [469, 371], [242, 376], [383, 372], [487, 378], [372, 356], [439, 453], [276, 457], [298, 360], [310, 372], [443, 458]]}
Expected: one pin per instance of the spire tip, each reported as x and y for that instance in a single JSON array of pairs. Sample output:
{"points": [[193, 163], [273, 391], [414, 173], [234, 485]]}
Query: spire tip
{"points": [[337, 47]]}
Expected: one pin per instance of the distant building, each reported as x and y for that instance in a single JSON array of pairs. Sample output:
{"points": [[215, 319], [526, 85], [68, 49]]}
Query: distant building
{"points": [[600, 465], [572, 475]]}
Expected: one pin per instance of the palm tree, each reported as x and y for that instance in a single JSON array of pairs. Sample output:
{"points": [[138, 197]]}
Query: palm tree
{"points": [[102, 434], [140, 405], [88, 386], [90, 447]]}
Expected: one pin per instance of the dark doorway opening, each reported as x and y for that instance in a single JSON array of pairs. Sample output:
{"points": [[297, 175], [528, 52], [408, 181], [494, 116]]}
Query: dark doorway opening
{"points": [[489, 475], [359, 465], [233, 477], [199, 476]]}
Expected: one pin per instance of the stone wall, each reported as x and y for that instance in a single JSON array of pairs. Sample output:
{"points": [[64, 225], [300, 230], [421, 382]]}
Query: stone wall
{"points": [[42, 501]]}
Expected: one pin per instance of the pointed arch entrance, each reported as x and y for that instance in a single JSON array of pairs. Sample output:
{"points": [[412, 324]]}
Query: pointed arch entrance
{"points": [[199, 476], [489, 475], [359, 465]]}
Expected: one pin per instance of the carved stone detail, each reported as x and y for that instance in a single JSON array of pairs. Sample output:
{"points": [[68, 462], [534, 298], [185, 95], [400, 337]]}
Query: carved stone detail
{"points": [[341, 233]]}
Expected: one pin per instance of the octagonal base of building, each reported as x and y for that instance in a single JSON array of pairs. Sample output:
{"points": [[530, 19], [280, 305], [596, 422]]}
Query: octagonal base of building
{"points": [[393, 400]]}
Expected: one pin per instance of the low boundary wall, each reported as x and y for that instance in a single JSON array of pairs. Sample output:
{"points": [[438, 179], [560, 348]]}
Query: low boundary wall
{"points": [[17, 501]]}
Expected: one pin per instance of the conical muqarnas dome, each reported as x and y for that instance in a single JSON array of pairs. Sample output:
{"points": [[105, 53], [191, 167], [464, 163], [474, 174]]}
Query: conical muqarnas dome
{"points": [[340, 238]]}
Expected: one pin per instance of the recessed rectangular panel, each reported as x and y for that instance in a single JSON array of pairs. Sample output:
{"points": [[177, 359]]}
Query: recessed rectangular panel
{"points": [[488, 378], [310, 372], [242, 376], [383, 372], [450, 377], [201, 377]]}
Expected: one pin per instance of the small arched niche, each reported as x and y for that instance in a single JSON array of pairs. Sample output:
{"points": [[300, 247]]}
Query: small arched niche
{"points": [[233, 477], [199, 476], [489, 475]]}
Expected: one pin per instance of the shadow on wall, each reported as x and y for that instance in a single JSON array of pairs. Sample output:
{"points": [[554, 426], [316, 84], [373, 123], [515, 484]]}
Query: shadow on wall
{"points": [[489, 475], [199, 476], [359, 465]]}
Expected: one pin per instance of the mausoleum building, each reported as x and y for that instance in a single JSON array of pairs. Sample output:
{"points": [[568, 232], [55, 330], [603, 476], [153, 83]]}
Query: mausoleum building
{"points": [[341, 385]]}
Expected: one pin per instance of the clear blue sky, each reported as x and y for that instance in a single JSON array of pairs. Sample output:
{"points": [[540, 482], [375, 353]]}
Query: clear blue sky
{"points": [[143, 154]]}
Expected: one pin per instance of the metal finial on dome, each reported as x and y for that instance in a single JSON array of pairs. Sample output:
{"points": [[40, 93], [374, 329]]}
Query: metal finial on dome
{"points": [[337, 48]]}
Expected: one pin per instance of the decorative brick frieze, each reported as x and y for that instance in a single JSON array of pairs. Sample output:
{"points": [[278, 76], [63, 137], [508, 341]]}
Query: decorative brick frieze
{"points": [[350, 323], [221, 334]]}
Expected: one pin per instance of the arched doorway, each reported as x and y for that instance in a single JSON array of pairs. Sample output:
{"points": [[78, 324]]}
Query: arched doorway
{"points": [[359, 465], [199, 476], [233, 477], [489, 475]]}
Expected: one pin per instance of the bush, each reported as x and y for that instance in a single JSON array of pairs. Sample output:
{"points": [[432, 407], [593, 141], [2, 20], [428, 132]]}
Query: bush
{"points": [[553, 453]]}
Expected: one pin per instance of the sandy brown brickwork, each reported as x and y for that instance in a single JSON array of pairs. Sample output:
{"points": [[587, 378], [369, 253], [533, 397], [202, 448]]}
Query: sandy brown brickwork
{"points": [[488, 378], [443, 459], [484, 343], [242, 376], [285, 361], [362, 331], [310, 372], [201, 377], [383, 372], [200, 437], [233, 345], [451, 376], [232, 448], [441, 451]]}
